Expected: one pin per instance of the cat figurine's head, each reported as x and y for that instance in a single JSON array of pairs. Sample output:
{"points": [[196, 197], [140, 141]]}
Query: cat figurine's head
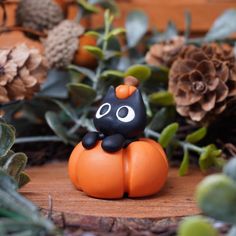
{"points": [[121, 116]]}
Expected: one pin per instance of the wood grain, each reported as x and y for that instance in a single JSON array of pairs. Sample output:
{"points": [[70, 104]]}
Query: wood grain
{"points": [[203, 12], [176, 199]]}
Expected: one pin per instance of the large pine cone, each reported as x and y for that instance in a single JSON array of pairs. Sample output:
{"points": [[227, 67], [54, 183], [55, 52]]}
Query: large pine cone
{"points": [[39, 14], [165, 53], [62, 43], [203, 80], [22, 70]]}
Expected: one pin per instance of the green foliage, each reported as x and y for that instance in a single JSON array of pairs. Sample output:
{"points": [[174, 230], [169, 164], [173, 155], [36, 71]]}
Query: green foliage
{"points": [[168, 134], [183, 169], [18, 215], [209, 157], [162, 98], [196, 226], [11, 163], [81, 93], [7, 137], [196, 136], [56, 125], [96, 51], [141, 72], [223, 27], [136, 27]]}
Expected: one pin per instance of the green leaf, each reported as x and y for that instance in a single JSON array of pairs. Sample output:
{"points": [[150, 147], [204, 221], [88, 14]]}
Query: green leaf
{"points": [[184, 164], [23, 179], [15, 165], [162, 98], [67, 109], [116, 32], [162, 118], [197, 135], [223, 27], [87, 72], [112, 53], [55, 124], [168, 134], [89, 8], [7, 137], [81, 93], [55, 85], [115, 73], [141, 72], [93, 33], [208, 157], [136, 27], [107, 4], [96, 51]]}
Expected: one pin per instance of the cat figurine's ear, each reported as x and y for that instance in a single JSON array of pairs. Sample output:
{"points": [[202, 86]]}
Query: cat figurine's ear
{"points": [[137, 98], [110, 94]]}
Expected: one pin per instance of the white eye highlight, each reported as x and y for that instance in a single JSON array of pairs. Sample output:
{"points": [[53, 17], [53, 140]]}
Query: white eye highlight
{"points": [[103, 110], [125, 114]]}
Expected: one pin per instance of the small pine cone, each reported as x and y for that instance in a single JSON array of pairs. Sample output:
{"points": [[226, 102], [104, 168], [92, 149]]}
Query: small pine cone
{"points": [[62, 43], [203, 81], [164, 54], [22, 70], [39, 14]]}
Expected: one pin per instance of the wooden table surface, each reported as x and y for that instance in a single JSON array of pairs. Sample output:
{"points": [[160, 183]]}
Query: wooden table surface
{"points": [[176, 199]]}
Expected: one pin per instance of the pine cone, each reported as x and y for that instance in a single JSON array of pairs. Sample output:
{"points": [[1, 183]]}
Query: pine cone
{"points": [[62, 43], [203, 80], [22, 70], [39, 14], [164, 54]]}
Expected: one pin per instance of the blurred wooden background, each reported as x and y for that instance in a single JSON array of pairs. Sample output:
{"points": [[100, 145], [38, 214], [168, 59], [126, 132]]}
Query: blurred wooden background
{"points": [[203, 12]]}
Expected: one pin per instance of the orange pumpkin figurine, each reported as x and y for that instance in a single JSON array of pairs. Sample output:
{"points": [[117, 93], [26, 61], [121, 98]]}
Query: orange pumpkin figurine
{"points": [[115, 161]]}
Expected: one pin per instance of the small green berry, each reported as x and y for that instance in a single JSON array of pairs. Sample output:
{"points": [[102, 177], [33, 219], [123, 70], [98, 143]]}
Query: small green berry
{"points": [[196, 226]]}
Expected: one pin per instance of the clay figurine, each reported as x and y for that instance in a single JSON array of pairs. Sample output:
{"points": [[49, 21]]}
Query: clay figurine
{"points": [[115, 161]]}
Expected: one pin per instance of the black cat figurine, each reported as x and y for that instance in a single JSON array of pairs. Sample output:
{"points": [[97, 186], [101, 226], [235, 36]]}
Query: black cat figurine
{"points": [[119, 121]]}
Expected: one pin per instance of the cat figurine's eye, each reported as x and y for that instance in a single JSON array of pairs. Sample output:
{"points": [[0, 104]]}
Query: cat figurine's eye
{"points": [[125, 114], [103, 110]]}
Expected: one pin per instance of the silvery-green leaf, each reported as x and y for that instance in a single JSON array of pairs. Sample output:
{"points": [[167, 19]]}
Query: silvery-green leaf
{"points": [[223, 26], [55, 85], [87, 72], [81, 94], [7, 137], [136, 27], [15, 164], [67, 109], [55, 124]]}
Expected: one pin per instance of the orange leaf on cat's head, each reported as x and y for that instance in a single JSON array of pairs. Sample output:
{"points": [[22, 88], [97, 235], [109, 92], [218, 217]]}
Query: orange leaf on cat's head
{"points": [[124, 91]]}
